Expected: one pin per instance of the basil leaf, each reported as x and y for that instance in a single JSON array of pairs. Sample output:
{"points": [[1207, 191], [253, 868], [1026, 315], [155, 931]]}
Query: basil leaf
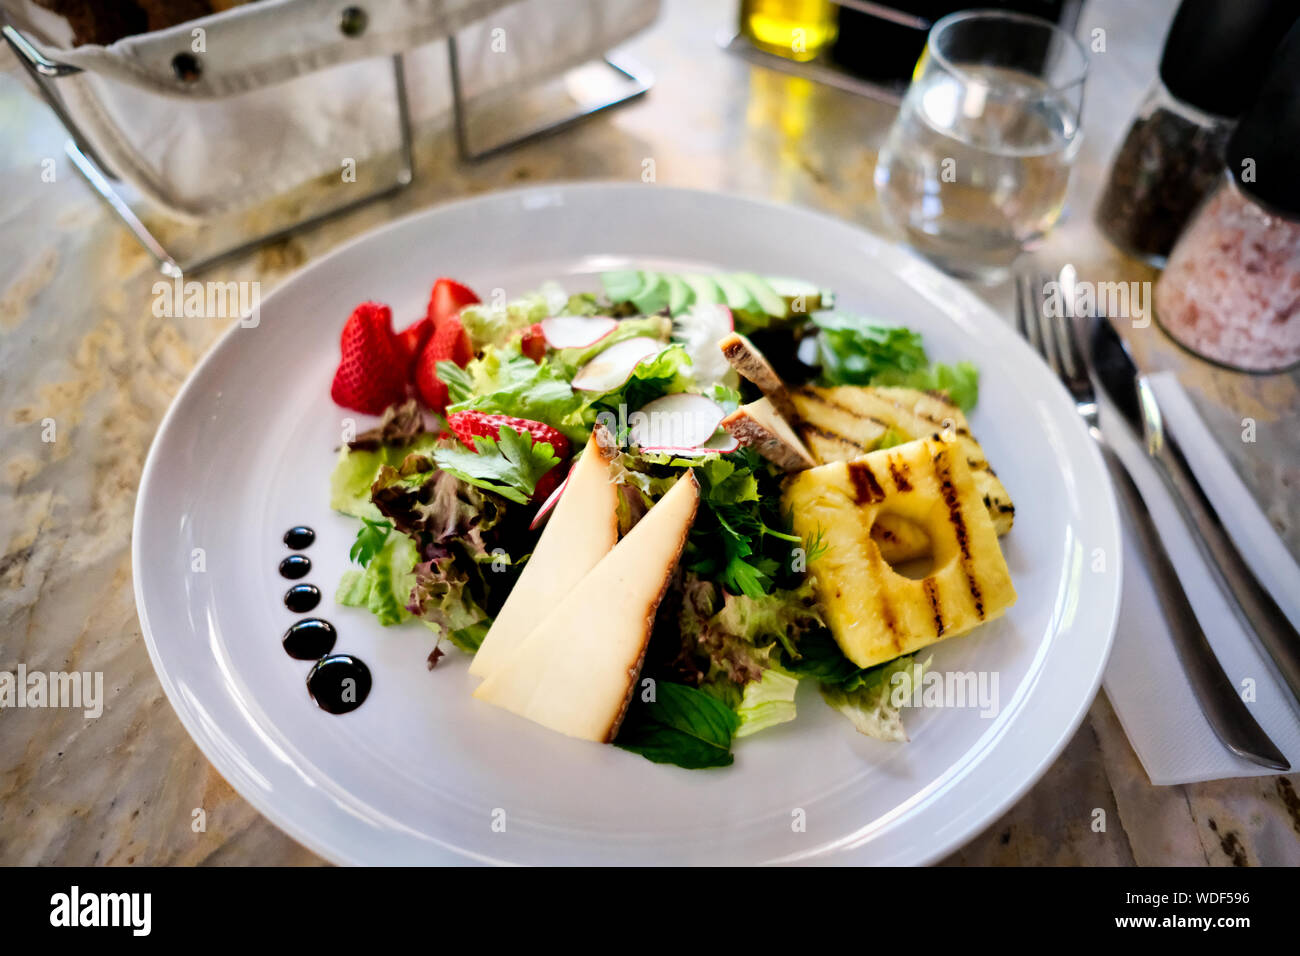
{"points": [[681, 726]]}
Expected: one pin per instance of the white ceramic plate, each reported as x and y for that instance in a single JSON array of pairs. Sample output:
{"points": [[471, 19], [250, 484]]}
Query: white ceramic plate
{"points": [[422, 773]]}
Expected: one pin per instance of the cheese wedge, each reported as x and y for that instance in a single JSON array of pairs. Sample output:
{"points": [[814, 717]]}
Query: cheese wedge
{"points": [[746, 359], [581, 531], [577, 670], [759, 426]]}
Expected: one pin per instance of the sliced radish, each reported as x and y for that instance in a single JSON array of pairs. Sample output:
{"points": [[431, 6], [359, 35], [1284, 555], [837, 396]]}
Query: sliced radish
{"points": [[683, 420], [723, 442], [576, 331], [699, 330], [720, 443], [549, 504], [612, 367]]}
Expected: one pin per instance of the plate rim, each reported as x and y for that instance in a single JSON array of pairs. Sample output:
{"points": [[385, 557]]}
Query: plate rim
{"points": [[262, 800]]}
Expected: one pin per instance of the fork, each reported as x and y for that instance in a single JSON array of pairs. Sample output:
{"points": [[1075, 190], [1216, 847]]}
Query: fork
{"points": [[1056, 340]]}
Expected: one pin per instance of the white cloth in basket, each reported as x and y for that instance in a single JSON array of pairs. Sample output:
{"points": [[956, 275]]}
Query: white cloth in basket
{"points": [[284, 96]]}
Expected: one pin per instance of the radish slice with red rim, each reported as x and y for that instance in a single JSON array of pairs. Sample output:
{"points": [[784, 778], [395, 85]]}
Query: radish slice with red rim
{"points": [[682, 420], [548, 505], [576, 331], [699, 329], [614, 366]]}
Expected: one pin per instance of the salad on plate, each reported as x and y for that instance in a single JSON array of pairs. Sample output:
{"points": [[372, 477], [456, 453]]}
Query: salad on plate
{"points": [[649, 511]]}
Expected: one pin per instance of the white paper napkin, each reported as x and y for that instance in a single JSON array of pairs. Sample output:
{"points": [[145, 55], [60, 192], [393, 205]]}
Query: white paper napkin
{"points": [[1144, 680]]}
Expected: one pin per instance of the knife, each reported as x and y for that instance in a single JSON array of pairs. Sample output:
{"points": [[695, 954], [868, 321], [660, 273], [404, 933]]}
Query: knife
{"points": [[1254, 607]]}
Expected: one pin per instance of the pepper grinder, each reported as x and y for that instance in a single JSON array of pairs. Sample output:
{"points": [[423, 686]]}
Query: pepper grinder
{"points": [[1211, 69]]}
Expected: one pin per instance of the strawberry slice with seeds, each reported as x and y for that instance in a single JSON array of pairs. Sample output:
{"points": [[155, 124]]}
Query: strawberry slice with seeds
{"points": [[449, 343], [447, 299], [411, 341], [470, 425], [533, 342], [372, 370]]}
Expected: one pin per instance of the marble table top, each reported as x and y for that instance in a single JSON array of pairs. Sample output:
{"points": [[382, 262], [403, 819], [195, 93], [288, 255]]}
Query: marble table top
{"points": [[80, 347]]}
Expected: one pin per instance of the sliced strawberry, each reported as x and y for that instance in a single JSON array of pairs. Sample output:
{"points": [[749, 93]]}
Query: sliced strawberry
{"points": [[533, 342], [449, 343], [469, 425], [372, 370], [447, 299], [412, 339]]}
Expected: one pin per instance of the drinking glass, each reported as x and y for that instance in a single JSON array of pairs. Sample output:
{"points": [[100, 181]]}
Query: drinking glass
{"points": [[976, 165]]}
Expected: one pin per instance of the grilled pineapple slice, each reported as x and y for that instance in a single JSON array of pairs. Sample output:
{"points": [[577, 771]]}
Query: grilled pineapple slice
{"points": [[874, 613], [840, 424]]}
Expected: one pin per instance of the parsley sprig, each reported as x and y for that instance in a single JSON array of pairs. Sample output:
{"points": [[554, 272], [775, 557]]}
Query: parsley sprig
{"points": [[509, 465], [738, 538]]}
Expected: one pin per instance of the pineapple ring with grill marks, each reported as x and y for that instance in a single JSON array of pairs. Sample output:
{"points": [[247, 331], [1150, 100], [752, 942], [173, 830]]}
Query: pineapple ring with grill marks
{"points": [[874, 613], [845, 422]]}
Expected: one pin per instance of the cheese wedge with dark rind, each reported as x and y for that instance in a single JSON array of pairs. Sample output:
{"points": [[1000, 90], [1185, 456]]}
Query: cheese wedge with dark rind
{"points": [[759, 426], [746, 359], [576, 671], [581, 530]]}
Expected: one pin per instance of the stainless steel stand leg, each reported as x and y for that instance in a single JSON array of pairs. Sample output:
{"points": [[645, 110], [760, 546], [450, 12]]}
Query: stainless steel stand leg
{"points": [[641, 79], [43, 71]]}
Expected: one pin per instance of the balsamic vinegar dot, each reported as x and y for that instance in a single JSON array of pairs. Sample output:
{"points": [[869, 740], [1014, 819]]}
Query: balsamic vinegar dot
{"points": [[309, 639], [339, 683], [299, 537], [295, 566], [302, 598]]}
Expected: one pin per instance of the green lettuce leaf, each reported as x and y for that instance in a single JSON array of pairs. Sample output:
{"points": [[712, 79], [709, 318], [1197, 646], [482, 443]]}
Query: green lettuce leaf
{"points": [[490, 325], [961, 382], [767, 702], [506, 382], [870, 706], [356, 471], [681, 726], [442, 599], [855, 352], [385, 586]]}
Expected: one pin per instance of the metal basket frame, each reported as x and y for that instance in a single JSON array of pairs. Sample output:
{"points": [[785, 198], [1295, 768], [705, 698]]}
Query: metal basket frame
{"points": [[46, 72]]}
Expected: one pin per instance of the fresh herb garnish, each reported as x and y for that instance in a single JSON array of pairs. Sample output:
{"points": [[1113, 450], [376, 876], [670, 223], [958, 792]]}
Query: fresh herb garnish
{"points": [[509, 465], [681, 726], [370, 539], [738, 538], [855, 352]]}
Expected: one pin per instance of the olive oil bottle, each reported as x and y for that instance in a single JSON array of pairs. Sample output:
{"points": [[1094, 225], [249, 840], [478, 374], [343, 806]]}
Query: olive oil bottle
{"points": [[795, 29]]}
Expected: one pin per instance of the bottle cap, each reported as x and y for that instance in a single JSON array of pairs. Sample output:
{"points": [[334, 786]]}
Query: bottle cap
{"points": [[1263, 149], [1217, 51]]}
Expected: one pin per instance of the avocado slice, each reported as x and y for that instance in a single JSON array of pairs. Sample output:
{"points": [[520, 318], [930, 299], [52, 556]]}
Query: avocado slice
{"points": [[652, 296], [621, 285], [680, 295], [704, 288], [768, 301], [741, 302], [734, 294], [801, 297]]}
